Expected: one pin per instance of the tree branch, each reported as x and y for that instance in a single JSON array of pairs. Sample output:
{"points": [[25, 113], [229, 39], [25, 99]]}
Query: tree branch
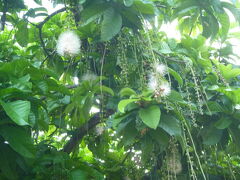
{"points": [[79, 133], [169, 58], [40, 26], [3, 18], [42, 42]]}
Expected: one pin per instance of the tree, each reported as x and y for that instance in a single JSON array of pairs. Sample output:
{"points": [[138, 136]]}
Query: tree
{"points": [[97, 91]]}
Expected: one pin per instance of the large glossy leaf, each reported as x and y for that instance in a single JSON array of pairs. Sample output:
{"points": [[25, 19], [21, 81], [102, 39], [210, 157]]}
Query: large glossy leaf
{"points": [[13, 68], [19, 140], [171, 125], [8, 162], [210, 26], [150, 116], [235, 11], [38, 2], [211, 135], [127, 92], [111, 25], [22, 33], [228, 72], [232, 94], [161, 137], [128, 3], [176, 76], [214, 107], [18, 111], [93, 12], [223, 123], [185, 7], [123, 103], [144, 7], [225, 25], [78, 174], [104, 89]]}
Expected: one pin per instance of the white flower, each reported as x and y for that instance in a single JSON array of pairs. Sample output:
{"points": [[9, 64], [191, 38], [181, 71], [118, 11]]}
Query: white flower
{"points": [[152, 84], [68, 43], [164, 89], [161, 69], [160, 87], [89, 77]]}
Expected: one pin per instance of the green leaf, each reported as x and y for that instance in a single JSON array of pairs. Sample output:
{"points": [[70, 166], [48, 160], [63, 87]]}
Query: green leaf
{"points": [[184, 7], [211, 135], [118, 117], [175, 97], [8, 161], [93, 12], [111, 25], [164, 48], [22, 33], [171, 125], [223, 123], [225, 25], [38, 2], [235, 131], [123, 103], [147, 148], [13, 68], [19, 140], [78, 174], [232, 94], [214, 107], [210, 26], [161, 137], [234, 10], [150, 116], [18, 111], [105, 89], [176, 76], [128, 3], [144, 7], [227, 71], [127, 92]]}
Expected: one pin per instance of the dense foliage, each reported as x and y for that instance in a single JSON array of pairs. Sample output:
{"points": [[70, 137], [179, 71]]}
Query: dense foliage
{"points": [[131, 103]]}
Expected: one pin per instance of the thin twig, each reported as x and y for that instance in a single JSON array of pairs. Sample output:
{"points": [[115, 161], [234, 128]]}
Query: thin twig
{"points": [[3, 18], [42, 42], [80, 132], [40, 26], [169, 58]]}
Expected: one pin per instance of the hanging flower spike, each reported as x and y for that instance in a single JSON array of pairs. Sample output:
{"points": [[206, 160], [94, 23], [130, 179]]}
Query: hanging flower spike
{"points": [[68, 44], [174, 165], [164, 89], [161, 69]]}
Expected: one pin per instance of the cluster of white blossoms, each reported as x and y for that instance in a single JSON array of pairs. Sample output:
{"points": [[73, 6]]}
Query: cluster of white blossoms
{"points": [[68, 44], [161, 69], [157, 83]]}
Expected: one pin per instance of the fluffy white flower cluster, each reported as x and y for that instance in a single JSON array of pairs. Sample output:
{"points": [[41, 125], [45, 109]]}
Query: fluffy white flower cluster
{"points": [[161, 69], [68, 44], [157, 83]]}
